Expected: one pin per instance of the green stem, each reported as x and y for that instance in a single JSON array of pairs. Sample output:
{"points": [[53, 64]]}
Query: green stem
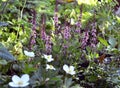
{"points": [[23, 9]]}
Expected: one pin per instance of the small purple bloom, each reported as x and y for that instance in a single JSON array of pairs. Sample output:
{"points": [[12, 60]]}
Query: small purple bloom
{"points": [[66, 33], [33, 34], [78, 24], [48, 44], [85, 39], [43, 35], [93, 35], [56, 19]]}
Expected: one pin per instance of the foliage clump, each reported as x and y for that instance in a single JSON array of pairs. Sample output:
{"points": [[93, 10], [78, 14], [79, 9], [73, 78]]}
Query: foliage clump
{"points": [[60, 44]]}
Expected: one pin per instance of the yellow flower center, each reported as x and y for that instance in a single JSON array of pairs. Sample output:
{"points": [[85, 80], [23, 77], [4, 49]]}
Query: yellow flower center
{"points": [[51, 66], [69, 71], [20, 83], [48, 57]]}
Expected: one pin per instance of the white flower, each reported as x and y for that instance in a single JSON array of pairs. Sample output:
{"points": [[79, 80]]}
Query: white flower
{"points": [[19, 82], [48, 58], [69, 69], [50, 67], [29, 54]]}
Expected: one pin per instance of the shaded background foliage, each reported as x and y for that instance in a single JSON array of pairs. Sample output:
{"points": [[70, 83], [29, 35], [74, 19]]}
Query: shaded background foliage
{"points": [[85, 35]]}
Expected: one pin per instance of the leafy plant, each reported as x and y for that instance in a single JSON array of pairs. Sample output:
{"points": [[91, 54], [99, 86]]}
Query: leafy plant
{"points": [[82, 33]]}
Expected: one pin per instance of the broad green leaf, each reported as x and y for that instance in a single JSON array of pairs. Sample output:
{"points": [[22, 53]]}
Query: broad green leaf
{"points": [[118, 19], [103, 41], [28, 68], [72, 14], [68, 82], [86, 16]]}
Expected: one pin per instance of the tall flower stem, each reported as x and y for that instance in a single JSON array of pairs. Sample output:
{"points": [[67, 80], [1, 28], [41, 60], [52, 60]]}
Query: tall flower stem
{"points": [[33, 34], [94, 32], [46, 38], [42, 30], [56, 18]]}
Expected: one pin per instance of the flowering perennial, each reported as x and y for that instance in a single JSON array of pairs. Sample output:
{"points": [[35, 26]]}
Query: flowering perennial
{"points": [[48, 58], [20, 82], [69, 69], [66, 32], [85, 39], [50, 67], [33, 34], [93, 35], [48, 44]]}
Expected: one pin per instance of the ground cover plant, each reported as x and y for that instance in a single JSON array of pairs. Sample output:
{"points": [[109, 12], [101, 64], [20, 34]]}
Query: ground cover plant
{"points": [[59, 44]]}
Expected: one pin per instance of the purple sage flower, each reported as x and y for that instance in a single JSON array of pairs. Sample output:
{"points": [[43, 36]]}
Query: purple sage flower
{"points": [[93, 35], [78, 24], [56, 19], [33, 34], [85, 39], [48, 44], [43, 35], [66, 33]]}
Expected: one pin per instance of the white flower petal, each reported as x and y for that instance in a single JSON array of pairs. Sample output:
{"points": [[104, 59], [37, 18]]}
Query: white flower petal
{"points": [[25, 78], [53, 68], [49, 55], [72, 72], [45, 56], [16, 79], [48, 58], [71, 68], [29, 54], [25, 52], [12, 84], [19, 82], [24, 85], [50, 67], [47, 66], [66, 68]]}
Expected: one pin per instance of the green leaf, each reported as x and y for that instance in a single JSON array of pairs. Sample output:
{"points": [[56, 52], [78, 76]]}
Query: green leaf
{"points": [[118, 19], [28, 68], [57, 78], [3, 62], [103, 41], [68, 82]]}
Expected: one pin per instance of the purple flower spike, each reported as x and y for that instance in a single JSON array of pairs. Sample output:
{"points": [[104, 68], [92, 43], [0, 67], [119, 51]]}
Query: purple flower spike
{"points": [[48, 44], [66, 33], [93, 35], [43, 35], [56, 19], [78, 24], [85, 39], [33, 34]]}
